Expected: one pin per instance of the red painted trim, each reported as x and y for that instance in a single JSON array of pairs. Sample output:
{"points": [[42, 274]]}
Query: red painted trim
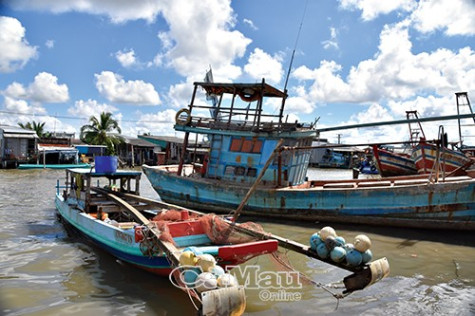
{"points": [[242, 252], [186, 228]]}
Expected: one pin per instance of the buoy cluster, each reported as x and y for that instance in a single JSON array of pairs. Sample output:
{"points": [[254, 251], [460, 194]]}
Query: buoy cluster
{"points": [[201, 272], [328, 245]]}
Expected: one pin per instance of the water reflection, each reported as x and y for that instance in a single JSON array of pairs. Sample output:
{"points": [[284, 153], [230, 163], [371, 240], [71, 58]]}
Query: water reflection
{"points": [[44, 271]]}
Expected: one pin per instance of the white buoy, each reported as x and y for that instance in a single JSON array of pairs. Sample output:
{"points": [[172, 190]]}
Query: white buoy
{"points": [[362, 243], [227, 280], [206, 281], [327, 231], [206, 262]]}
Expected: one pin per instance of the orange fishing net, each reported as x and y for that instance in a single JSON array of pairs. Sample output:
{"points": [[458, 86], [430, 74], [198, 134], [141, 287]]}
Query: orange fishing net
{"points": [[222, 232]]}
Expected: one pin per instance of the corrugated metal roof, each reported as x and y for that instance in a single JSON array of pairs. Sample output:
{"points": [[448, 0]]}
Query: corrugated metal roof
{"points": [[16, 131], [15, 135], [169, 139]]}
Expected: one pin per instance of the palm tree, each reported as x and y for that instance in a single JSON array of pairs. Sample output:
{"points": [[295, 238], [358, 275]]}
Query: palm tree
{"points": [[34, 126], [98, 132]]}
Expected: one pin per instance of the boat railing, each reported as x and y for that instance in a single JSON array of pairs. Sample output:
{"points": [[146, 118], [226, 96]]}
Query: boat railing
{"points": [[240, 122]]}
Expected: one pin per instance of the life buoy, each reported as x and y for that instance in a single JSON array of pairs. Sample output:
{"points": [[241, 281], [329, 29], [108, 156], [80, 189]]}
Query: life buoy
{"points": [[186, 121], [250, 98]]}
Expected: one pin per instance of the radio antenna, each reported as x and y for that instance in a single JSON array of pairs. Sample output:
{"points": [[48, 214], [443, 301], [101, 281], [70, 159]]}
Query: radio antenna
{"points": [[295, 47]]}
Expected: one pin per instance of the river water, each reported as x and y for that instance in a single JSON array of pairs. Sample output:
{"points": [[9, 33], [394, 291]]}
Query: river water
{"points": [[45, 271]]}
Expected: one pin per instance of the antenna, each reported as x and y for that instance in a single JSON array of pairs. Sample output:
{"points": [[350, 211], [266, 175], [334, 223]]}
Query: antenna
{"points": [[295, 46]]}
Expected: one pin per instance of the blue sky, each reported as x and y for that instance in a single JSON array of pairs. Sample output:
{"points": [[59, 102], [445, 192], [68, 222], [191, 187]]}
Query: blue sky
{"points": [[356, 61]]}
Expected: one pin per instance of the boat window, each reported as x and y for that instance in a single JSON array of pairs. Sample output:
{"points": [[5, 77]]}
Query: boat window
{"points": [[229, 171], [251, 172], [246, 145], [239, 171]]}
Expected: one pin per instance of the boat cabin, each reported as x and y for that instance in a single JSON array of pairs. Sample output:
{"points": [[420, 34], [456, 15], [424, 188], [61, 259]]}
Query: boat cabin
{"points": [[243, 131], [77, 188]]}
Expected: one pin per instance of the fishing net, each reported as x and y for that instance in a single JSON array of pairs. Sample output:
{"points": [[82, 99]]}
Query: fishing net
{"points": [[222, 232]]}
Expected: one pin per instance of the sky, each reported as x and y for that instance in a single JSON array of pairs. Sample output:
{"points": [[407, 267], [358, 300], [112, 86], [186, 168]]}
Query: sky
{"points": [[356, 61]]}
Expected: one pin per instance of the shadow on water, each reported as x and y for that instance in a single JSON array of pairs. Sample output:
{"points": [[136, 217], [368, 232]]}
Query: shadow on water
{"points": [[124, 285], [409, 236]]}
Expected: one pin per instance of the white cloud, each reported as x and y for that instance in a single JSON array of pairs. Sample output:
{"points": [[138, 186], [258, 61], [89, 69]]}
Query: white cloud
{"points": [[332, 42], [22, 106], [44, 89], [15, 51], [126, 58], [250, 24], [160, 123], [166, 40], [371, 9], [49, 44], [394, 73], [116, 89], [89, 108], [117, 11], [212, 41], [262, 65], [455, 17], [299, 102]]}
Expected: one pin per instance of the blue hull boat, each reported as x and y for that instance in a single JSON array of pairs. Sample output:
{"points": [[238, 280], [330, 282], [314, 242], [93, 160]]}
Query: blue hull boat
{"points": [[252, 151]]}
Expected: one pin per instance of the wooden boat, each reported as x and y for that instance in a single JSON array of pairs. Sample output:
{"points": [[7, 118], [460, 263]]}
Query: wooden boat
{"points": [[429, 157], [391, 163], [246, 143], [123, 223], [54, 166]]}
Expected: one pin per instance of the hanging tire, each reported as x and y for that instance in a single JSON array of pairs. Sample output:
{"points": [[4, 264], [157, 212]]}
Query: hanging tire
{"points": [[187, 121]]}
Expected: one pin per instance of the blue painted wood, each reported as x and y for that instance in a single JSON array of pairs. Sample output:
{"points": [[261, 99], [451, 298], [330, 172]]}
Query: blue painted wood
{"points": [[119, 242], [451, 203]]}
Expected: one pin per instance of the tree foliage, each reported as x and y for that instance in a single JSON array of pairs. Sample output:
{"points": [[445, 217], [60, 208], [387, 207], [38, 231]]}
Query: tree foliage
{"points": [[99, 132], [35, 126]]}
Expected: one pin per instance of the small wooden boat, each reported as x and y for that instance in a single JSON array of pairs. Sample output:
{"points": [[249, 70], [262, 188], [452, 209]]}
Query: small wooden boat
{"points": [[430, 157], [161, 238], [391, 163], [53, 166]]}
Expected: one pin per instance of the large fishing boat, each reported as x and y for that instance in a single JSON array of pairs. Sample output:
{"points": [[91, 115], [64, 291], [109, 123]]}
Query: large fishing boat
{"points": [[254, 152]]}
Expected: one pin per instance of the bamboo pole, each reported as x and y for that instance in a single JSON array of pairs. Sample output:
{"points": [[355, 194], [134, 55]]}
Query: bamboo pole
{"points": [[256, 183]]}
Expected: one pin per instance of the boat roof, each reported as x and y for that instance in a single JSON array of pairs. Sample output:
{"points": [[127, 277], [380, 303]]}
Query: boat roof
{"points": [[244, 88], [93, 173]]}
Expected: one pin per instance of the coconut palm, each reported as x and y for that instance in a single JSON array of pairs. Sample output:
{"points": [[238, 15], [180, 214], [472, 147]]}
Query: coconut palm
{"points": [[35, 126], [98, 132]]}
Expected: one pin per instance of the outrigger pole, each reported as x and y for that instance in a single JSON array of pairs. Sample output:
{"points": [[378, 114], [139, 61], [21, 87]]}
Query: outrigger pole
{"points": [[424, 119]]}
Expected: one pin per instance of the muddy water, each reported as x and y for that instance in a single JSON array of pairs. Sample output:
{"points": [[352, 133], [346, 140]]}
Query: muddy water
{"points": [[46, 271]]}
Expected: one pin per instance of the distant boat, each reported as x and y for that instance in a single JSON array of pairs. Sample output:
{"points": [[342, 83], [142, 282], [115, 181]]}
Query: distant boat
{"points": [[252, 149], [427, 156], [56, 156], [333, 159], [391, 163], [53, 166]]}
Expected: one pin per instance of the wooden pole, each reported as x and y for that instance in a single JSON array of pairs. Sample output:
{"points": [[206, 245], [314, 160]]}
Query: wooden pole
{"points": [[256, 183], [183, 154]]}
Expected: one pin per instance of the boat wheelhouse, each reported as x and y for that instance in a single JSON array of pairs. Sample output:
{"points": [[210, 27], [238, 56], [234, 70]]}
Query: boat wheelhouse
{"points": [[243, 136]]}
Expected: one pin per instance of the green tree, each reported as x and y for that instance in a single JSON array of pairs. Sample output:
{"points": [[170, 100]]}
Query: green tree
{"points": [[98, 132], [35, 126]]}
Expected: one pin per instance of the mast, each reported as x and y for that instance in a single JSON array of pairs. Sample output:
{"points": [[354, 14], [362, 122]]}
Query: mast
{"points": [[291, 62]]}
